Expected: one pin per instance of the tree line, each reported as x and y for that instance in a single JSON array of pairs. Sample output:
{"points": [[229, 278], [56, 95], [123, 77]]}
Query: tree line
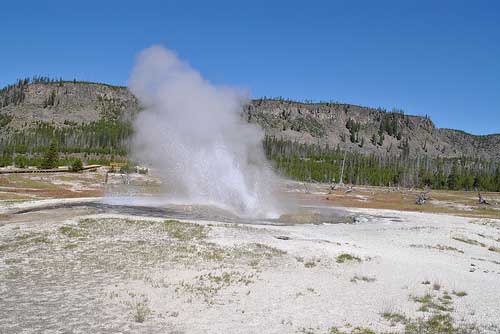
{"points": [[100, 142], [323, 164]]}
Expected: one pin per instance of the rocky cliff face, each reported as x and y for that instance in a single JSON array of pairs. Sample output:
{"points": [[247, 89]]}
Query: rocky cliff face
{"points": [[351, 127]]}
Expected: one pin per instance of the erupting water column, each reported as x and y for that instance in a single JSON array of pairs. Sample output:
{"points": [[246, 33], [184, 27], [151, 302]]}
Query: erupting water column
{"points": [[192, 133]]}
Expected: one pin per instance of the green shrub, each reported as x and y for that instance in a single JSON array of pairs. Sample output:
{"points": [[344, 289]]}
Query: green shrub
{"points": [[21, 161], [76, 165]]}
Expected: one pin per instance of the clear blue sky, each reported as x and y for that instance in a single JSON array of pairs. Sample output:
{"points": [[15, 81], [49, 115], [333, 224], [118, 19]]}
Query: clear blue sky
{"points": [[440, 58]]}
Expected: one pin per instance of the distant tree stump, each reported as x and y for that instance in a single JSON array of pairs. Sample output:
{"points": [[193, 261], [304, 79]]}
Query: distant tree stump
{"points": [[482, 200], [422, 198]]}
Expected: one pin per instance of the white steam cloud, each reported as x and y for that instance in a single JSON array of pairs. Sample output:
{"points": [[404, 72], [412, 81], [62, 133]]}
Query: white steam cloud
{"points": [[192, 132]]}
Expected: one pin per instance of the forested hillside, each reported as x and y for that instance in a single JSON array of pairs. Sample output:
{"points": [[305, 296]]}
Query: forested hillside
{"points": [[309, 162], [88, 120], [305, 141]]}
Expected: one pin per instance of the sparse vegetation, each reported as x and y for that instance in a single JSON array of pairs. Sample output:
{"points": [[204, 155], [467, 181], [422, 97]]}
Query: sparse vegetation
{"points": [[356, 330], [394, 317], [430, 303], [439, 247], [177, 259], [477, 243], [469, 241], [185, 231], [438, 320], [208, 285], [72, 232], [310, 263]]}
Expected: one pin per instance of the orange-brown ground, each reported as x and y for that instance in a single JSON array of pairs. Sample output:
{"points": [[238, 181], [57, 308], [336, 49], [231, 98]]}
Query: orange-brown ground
{"points": [[449, 202], [20, 187]]}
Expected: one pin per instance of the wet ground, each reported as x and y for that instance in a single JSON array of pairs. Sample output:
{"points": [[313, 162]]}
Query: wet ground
{"points": [[304, 214]]}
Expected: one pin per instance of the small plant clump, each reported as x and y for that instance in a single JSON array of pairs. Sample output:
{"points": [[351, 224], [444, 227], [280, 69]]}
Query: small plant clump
{"points": [[140, 312], [459, 293], [309, 264], [344, 257], [367, 279]]}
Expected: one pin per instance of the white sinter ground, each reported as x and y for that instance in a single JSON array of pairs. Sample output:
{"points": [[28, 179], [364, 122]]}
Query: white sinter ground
{"points": [[108, 274]]}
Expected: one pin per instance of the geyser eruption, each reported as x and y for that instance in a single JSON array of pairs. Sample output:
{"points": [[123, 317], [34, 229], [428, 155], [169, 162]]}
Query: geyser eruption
{"points": [[192, 133]]}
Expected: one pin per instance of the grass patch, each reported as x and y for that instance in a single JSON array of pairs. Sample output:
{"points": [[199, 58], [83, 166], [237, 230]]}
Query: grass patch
{"points": [[344, 257], [25, 240], [459, 293], [72, 232], [254, 252], [310, 264], [448, 248], [394, 317], [430, 303], [185, 231], [181, 231], [438, 247], [140, 312], [208, 285], [356, 330], [12, 261], [367, 279], [469, 241], [477, 243], [439, 323]]}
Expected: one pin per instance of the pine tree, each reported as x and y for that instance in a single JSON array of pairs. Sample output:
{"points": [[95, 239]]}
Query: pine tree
{"points": [[51, 157]]}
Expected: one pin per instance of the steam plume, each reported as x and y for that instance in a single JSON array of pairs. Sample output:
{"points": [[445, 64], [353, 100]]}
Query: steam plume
{"points": [[191, 131]]}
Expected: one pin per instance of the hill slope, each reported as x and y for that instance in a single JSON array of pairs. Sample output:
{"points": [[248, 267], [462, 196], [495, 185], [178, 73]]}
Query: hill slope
{"points": [[368, 130], [70, 105]]}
